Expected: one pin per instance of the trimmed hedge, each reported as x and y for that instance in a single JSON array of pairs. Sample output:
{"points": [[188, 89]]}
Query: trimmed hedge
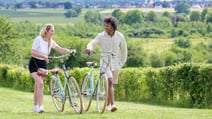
{"points": [[184, 85]]}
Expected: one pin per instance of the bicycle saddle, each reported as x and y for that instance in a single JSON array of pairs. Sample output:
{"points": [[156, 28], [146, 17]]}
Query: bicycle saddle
{"points": [[55, 71], [91, 64]]}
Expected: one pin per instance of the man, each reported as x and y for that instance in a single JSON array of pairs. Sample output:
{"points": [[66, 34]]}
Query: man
{"points": [[112, 43]]}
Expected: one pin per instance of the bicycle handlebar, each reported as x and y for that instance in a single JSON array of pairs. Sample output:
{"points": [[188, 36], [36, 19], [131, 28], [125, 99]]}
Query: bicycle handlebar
{"points": [[61, 56]]}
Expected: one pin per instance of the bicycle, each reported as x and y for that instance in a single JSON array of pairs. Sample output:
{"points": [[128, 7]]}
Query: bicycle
{"points": [[68, 89], [101, 89]]}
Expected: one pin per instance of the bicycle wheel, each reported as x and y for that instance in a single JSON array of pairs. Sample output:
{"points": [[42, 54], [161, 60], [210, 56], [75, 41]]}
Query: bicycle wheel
{"points": [[56, 94], [102, 93], [87, 93], [75, 97]]}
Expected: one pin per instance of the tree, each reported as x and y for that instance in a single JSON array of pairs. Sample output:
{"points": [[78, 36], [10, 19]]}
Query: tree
{"points": [[166, 14], [165, 4], [194, 16], [208, 17], [182, 7], [70, 13], [92, 17], [9, 52], [77, 9], [203, 14], [151, 16], [18, 5], [32, 4], [67, 5], [117, 13], [133, 17], [182, 42]]}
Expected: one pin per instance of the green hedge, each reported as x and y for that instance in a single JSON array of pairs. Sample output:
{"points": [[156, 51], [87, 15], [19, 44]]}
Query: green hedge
{"points": [[184, 85]]}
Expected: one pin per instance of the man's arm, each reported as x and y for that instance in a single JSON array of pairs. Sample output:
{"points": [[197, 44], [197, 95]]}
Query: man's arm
{"points": [[92, 44], [123, 51]]}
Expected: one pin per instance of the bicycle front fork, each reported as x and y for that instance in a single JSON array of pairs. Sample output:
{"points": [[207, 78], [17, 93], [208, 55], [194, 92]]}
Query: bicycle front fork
{"points": [[58, 82]]}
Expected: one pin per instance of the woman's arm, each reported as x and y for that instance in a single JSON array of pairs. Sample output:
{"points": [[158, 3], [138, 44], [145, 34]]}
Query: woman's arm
{"points": [[64, 50], [36, 54]]}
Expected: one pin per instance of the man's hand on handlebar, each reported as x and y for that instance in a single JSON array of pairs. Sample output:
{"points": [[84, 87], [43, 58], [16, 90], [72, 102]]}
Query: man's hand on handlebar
{"points": [[87, 51]]}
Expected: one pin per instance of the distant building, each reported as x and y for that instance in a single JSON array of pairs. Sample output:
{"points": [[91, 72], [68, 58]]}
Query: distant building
{"points": [[195, 6], [26, 6]]}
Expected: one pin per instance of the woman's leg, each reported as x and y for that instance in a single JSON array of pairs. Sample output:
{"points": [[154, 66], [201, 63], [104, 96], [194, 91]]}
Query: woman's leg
{"points": [[35, 95], [38, 92]]}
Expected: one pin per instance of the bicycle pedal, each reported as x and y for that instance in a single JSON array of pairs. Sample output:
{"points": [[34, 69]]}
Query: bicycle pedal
{"points": [[84, 93], [74, 105], [56, 90]]}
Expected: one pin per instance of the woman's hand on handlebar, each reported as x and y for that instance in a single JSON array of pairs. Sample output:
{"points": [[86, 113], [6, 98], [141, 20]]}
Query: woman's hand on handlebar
{"points": [[71, 51]]}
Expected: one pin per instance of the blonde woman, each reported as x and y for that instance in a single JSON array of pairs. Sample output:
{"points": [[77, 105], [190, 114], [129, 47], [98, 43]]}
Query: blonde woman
{"points": [[39, 58]]}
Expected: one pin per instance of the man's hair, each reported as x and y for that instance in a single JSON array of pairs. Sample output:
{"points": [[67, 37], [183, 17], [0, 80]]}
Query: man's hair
{"points": [[111, 20]]}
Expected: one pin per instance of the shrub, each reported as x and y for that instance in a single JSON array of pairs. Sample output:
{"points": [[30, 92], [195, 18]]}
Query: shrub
{"points": [[182, 42], [156, 60]]}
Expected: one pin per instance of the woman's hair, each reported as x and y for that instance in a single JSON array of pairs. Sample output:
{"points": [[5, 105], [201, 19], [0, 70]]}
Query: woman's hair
{"points": [[44, 31], [111, 20]]}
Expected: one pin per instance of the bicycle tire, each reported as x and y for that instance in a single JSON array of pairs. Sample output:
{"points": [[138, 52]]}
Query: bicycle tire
{"points": [[102, 93], [57, 98], [75, 97], [87, 93]]}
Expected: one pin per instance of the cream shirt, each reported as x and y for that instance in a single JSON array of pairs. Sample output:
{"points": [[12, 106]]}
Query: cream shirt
{"points": [[115, 45]]}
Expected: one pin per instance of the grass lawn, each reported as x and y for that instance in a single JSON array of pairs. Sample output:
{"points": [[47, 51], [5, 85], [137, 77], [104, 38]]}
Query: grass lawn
{"points": [[18, 105]]}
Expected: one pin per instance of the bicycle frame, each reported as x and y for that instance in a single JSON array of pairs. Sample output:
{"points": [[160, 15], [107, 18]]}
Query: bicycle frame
{"points": [[69, 88], [59, 83], [89, 90], [91, 79]]}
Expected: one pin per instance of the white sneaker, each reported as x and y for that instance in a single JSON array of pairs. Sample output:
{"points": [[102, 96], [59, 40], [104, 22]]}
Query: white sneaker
{"points": [[36, 108], [41, 109], [113, 108], [108, 107]]}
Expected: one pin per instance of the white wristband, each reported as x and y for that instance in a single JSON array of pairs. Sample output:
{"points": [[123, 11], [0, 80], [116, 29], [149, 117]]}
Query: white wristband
{"points": [[68, 51]]}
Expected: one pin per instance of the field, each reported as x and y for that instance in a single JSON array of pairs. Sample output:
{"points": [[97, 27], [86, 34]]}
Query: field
{"points": [[56, 16], [159, 45], [18, 105], [39, 16], [147, 10]]}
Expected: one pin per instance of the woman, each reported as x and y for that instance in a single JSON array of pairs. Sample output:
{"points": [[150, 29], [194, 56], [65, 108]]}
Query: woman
{"points": [[39, 58]]}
